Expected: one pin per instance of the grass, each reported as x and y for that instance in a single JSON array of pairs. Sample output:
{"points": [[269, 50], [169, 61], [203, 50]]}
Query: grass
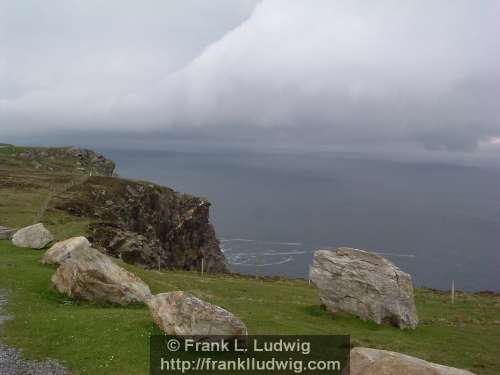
{"points": [[93, 339]]}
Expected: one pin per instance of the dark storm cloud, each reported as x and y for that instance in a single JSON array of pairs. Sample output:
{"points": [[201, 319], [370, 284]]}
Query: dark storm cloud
{"points": [[339, 72]]}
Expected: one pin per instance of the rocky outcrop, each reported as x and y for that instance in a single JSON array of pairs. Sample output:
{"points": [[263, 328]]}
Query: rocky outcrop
{"points": [[366, 285], [366, 361], [87, 161], [145, 224], [92, 276], [178, 313], [61, 251], [6, 233], [35, 237]]}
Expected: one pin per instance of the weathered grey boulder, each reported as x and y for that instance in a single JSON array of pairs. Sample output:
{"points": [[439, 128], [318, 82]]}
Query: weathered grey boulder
{"points": [[366, 285], [6, 233], [61, 251], [89, 275], [35, 236], [178, 313], [366, 361]]}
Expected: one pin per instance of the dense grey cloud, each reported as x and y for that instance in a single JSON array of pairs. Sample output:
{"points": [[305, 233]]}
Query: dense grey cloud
{"points": [[67, 63], [384, 72]]}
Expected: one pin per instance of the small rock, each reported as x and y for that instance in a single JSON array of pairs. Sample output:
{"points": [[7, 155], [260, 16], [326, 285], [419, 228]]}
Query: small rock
{"points": [[92, 276], [36, 164], [178, 313], [61, 251], [366, 361], [366, 285], [35, 237]]}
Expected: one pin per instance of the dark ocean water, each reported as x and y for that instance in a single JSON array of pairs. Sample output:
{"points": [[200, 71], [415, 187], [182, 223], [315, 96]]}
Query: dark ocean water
{"points": [[439, 222]]}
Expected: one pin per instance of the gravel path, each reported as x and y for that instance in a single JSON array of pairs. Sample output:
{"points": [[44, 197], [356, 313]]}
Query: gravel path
{"points": [[11, 362]]}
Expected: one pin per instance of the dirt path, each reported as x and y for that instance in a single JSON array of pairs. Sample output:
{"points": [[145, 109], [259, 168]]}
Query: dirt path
{"points": [[11, 361]]}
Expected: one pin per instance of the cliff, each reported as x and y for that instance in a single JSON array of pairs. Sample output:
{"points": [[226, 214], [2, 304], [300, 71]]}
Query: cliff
{"points": [[71, 190], [54, 159], [145, 224]]}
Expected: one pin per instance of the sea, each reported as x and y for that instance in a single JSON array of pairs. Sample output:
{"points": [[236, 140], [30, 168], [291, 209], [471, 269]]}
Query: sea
{"points": [[438, 221]]}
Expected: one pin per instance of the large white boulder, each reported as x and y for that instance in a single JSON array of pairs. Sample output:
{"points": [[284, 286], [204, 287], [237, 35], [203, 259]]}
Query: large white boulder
{"points": [[61, 251], [92, 276], [366, 285], [35, 236], [179, 313], [366, 361]]}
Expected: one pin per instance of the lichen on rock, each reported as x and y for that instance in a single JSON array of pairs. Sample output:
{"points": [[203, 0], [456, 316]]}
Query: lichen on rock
{"points": [[366, 285], [35, 236], [92, 276], [179, 313]]}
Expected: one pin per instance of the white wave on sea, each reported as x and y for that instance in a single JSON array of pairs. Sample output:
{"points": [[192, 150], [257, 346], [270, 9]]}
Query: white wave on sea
{"points": [[259, 241], [257, 253], [397, 255], [236, 240], [242, 252], [248, 264], [254, 254]]}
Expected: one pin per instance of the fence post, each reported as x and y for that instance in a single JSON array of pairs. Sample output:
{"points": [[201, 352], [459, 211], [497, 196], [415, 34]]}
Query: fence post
{"points": [[202, 266], [257, 262]]}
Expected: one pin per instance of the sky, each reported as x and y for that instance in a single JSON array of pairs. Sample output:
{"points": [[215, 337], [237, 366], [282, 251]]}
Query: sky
{"points": [[383, 75]]}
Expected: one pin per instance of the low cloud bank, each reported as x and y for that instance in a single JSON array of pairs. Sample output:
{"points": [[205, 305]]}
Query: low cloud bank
{"points": [[326, 72]]}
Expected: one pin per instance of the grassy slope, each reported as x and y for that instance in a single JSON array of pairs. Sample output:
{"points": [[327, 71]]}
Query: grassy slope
{"points": [[111, 340], [24, 189], [96, 339]]}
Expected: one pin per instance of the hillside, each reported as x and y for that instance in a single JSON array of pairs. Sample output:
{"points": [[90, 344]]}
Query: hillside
{"points": [[71, 190], [30, 176], [95, 339]]}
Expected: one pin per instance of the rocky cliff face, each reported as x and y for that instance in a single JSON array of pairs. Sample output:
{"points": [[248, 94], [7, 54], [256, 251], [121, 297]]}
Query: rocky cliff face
{"points": [[84, 160], [145, 224]]}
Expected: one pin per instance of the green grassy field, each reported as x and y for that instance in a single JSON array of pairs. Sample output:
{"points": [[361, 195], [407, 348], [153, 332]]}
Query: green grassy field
{"points": [[93, 339]]}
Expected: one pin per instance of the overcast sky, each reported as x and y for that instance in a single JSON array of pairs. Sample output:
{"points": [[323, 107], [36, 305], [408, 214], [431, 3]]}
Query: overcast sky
{"points": [[384, 73]]}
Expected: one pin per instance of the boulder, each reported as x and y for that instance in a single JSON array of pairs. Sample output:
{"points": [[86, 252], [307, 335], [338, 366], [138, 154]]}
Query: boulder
{"points": [[178, 313], [6, 233], [366, 285], [90, 275], [61, 251], [35, 237], [366, 361]]}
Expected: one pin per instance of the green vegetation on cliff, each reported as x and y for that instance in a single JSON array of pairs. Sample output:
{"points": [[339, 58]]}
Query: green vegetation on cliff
{"points": [[29, 178]]}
